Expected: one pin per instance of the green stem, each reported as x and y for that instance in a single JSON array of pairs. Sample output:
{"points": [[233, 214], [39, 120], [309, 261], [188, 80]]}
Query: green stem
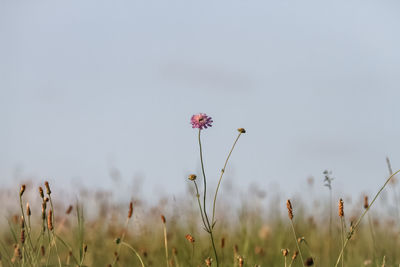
{"points": [[204, 199], [342, 235], [297, 243], [166, 243], [220, 178], [201, 210], [362, 216], [134, 251]]}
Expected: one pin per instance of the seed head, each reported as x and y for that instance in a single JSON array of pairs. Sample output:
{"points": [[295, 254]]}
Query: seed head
{"points": [[41, 192], [22, 190], [366, 205], [50, 220], [241, 130], [174, 251], [163, 219], [48, 191], [130, 210], [223, 242], [22, 222], [285, 252], [192, 177], [295, 255], [190, 238], [241, 261], [341, 212], [290, 209], [69, 210], [28, 209], [43, 251], [208, 261]]}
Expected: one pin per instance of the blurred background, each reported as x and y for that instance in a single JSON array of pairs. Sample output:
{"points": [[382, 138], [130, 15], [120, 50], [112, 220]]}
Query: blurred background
{"points": [[100, 93]]}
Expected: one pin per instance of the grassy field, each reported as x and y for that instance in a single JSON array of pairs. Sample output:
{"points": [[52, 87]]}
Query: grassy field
{"points": [[200, 228]]}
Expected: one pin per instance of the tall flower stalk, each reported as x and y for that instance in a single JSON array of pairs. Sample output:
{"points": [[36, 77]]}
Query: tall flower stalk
{"points": [[202, 121]]}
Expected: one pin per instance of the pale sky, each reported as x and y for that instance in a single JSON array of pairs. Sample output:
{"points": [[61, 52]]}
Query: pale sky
{"points": [[87, 86]]}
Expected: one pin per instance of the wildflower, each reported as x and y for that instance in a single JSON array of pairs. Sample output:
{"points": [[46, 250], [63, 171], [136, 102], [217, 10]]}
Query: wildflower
{"points": [[201, 121]]}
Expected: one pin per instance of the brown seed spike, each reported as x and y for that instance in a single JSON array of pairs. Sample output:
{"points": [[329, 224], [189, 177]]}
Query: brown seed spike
{"points": [[46, 184], [130, 210], [341, 212], [241, 130], [290, 209], [41, 192], [50, 220], [223, 242], [22, 236], [22, 190], [163, 219], [43, 251], [69, 210], [366, 205], [28, 209]]}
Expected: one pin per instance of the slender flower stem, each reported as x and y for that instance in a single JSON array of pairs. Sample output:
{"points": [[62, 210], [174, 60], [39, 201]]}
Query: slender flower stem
{"points": [[220, 178], [201, 210], [297, 243], [204, 200], [362, 216]]}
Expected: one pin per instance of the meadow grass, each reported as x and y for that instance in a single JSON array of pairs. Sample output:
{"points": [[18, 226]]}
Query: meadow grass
{"points": [[46, 231]]}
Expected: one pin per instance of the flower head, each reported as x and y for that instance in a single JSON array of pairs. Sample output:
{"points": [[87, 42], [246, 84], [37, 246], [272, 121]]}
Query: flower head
{"points": [[201, 121]]}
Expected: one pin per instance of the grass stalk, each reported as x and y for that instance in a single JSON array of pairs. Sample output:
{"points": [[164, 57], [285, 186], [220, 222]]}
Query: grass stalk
{"points": [[356, 225]]}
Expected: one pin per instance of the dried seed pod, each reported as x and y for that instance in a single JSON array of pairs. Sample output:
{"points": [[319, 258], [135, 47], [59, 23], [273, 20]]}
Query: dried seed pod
{"points": [[50, 220], [28, 209], [69, 210], [341, 211], [190, 238], [48, 191], [163, 219], [290, 209], [366, 204], [22, 190], [41, 192], [130, 210]]}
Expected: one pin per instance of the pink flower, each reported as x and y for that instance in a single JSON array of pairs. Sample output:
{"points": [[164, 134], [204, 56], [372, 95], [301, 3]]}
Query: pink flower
{"points": [[201, 121]]}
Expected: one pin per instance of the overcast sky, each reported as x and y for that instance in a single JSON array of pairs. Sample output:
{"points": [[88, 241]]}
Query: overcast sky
{"points": [[89, 86]]}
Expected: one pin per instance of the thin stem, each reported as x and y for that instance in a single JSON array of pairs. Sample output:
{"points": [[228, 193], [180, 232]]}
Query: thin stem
{"points": [[362, 216], [134, 251], [342, 236], [122, 239], [220, 178], [204, 200], [204, 180], [53, 231], [201, 210], [166, 244], [297, 244]]}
